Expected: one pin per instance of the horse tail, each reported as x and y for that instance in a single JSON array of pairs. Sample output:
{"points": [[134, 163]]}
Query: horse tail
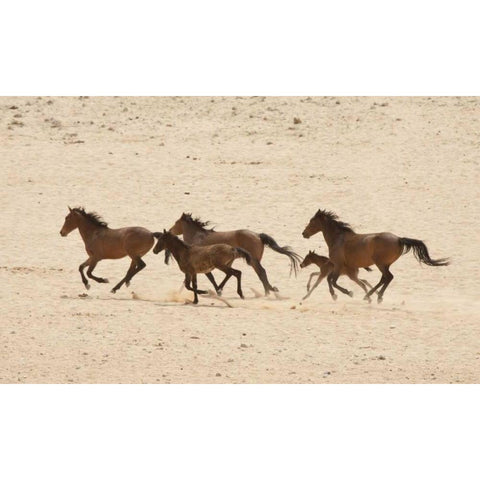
{"points": [[421, 252], [295, 259], [242, 253]]}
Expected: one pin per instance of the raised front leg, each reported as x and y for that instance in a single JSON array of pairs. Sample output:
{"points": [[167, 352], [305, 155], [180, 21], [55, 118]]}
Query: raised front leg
{"points": [[90, 274], [80, 269], [319, 279], [314, 274]]}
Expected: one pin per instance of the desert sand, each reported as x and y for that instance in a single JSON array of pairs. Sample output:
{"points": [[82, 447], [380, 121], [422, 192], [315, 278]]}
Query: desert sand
{"points": [[408, 165]]}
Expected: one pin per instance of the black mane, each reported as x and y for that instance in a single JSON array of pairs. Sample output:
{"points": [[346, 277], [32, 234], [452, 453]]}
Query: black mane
{"points": [[332, 217], [92, 216], [197, 222]]}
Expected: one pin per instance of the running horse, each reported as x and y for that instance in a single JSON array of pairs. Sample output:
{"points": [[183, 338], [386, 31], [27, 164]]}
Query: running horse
{"points": [[195, 232], [102, 242], [194, 259], [349, 251]]}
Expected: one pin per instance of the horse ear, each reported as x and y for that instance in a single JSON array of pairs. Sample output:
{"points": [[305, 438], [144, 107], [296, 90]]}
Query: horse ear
{"points": [[69, 208], [164, 231]]}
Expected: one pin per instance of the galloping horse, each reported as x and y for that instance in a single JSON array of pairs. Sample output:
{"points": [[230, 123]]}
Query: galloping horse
{"points": [[102, 242], [195, 233], [349, 251], [326, 268], [202, 259]]}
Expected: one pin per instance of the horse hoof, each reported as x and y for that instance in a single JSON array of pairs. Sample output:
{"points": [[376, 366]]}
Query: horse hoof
{"points": [[350, 294], [219, 292], [105, 280], [127, 284], [275, 289], [334, 296], [113, 290], [379, 299], [87, 286]]}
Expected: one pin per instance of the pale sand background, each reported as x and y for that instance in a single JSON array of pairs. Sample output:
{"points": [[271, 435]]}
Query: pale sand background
{"points": [[406, 165]]}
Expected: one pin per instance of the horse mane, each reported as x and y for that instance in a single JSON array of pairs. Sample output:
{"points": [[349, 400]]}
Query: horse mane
{"points": [[333, 217], [197, 222], [92, 216]]}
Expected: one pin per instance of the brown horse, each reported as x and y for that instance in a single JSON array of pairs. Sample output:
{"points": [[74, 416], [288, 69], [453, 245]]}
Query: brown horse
{"points": [[326, 268], [349, 251], [194, 232], [194, 259], [102, 242]]}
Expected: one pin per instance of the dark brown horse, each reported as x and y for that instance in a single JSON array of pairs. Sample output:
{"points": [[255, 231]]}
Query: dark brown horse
{"points": [[102, 242], [349, 251], [194, 259], [194, 232], [326, 268]]}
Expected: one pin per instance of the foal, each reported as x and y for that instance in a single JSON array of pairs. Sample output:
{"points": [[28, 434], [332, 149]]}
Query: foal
{"points": [[102, 242], [194, 232], [326, 268], [349, 250], [196, 259]]}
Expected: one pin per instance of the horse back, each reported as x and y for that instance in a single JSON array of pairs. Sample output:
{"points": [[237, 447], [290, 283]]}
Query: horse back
{"points": [[113, 243], [363, 250], [246, 239]]}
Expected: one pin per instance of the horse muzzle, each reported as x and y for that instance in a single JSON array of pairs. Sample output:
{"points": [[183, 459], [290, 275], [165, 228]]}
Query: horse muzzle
{"points": [[305, 234]]}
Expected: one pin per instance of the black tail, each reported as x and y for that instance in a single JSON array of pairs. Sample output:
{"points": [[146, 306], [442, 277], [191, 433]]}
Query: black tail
{"points": [[421, 252], [242, 253], [295, 259]]}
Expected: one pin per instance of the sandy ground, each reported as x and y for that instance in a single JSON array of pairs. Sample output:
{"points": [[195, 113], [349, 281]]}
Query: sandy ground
{"points": [[405, 165]]}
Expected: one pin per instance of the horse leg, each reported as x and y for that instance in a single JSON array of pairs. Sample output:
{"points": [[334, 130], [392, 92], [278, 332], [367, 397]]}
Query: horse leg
{"points": [[378, 285], [80, 269], [140, 265], [330, 287], [124, 279], [262, 275], [367, 284], [388, 277], [188, 279], [353, 275], [224, 281], [314, 274], [319, 279], [213, 282], [92, 265], [238, 274], [333, 279], [195, 291]]}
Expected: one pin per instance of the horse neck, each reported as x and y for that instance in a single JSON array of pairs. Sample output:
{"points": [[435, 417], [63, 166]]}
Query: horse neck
{"points": [[86, 228], [331, 233], [177, 248], [190, 231]]}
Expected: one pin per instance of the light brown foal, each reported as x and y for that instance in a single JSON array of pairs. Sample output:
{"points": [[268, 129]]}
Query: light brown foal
{"points": [[349, 251], [102, 242]]}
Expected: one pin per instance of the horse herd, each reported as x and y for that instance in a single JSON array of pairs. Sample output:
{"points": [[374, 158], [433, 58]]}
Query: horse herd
{"points": [[203, 249]]}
